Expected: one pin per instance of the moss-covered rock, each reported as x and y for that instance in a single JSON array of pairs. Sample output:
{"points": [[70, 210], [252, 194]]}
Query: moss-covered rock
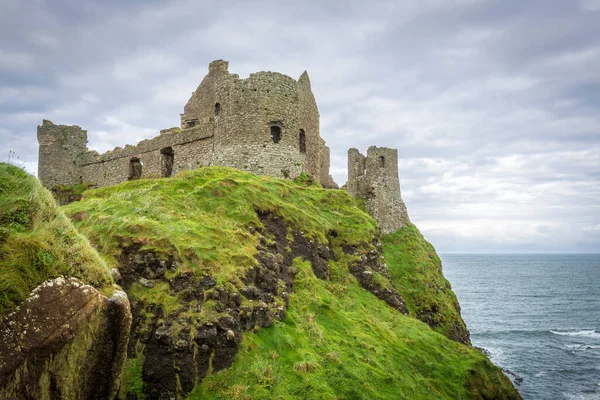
{"points": [[66, 194], [66, 341]]}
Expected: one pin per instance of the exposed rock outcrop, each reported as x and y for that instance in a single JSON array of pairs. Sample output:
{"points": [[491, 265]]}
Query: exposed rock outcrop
{"points": [[180, 348], [214, 254], [66, 341], [374, 275]]}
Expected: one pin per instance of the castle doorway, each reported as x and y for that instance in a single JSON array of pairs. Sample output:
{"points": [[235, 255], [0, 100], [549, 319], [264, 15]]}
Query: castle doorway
{"points": [[135, 168], [167, 158]]}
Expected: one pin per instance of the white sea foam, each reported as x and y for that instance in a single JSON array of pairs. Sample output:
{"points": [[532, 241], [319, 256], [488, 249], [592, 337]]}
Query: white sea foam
{"points": [[584, 333], [577, 347], [582, 396], [497, 355]]}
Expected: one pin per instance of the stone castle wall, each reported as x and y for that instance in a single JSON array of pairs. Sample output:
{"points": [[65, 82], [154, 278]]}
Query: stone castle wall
{"points": [[64, 160], [375, 179], [244, 112], [59, 152], [266, 124], [228, 121]]}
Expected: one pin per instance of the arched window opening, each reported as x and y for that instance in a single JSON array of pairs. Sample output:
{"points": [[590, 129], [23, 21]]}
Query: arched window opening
{"points": [[217, 109], [382, 161], [167, 158], [275, 133], [135, 168], [302, 141]]}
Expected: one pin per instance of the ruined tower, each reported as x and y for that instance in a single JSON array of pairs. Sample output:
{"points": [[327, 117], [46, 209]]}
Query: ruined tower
{"points": [[60, 148], [374, 178], [267, 124]]}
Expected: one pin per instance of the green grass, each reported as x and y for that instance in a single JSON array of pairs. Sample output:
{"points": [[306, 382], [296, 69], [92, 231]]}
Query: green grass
{"points": [[203, 217], [340, 342], [417, 275], [72, 190], [37, 241], [65, 194], [132, 381]]}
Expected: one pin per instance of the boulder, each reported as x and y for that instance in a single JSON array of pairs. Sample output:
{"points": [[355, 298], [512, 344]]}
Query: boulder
{"points": [[65, 341]]}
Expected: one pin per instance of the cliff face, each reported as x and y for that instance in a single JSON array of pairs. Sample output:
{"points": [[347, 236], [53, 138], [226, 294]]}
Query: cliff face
{"points": [[255, 287], [239, 287], [417, 275], [63, 325]]}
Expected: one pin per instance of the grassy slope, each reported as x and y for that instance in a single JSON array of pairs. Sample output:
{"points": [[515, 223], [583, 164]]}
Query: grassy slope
{"points": [[417, 275], [37, 241], [338, 340], [203, 216]]}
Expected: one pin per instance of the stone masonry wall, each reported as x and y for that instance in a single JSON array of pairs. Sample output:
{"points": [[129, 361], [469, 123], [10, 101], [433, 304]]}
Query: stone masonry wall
{"points": [[60, 147], [267, 124], [249, 107], [191, 148], [375, 179], [309, 122], [244, 111], [326, 179], [227, 121]]}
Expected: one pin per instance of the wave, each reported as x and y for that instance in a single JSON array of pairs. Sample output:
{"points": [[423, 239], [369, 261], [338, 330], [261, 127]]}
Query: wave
{"points": [[587, 333], [577, 347], [584, 333], [508, 332], [581, 396]]}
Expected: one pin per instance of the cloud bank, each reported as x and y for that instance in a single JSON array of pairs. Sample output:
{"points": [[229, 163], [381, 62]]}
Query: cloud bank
{"points": [[493, 105]]}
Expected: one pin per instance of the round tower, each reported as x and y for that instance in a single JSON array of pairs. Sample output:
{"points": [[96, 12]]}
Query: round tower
{"points": [[267, 123]]}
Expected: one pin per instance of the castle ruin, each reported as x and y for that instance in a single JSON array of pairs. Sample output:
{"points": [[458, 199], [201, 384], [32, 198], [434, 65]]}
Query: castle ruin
{"points": [[267, 124], [375, 179]]}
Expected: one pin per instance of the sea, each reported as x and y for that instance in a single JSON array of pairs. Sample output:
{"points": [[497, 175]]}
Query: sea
{"points": [[538, 316]]}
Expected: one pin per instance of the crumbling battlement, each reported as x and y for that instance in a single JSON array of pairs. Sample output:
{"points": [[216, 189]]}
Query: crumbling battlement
{"points": [[60, 149], [375, 179], [267, 124]]}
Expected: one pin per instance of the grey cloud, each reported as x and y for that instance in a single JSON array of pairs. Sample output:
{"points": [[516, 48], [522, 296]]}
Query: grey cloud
{"points": [[492, 104]]}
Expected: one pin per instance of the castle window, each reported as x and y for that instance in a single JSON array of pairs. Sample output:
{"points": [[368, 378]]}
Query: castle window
{"points": [[135, 168], [302, 141], [167, 158], [191, 123], [381, 160], [275, 133], [217, 109]]}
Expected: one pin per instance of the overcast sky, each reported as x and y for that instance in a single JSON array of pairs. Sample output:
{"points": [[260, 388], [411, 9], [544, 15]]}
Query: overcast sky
{"points": [[494, 105]]}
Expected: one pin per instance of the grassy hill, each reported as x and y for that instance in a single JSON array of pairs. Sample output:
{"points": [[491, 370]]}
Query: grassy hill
{"points": [[285, 294], [37, 241]]}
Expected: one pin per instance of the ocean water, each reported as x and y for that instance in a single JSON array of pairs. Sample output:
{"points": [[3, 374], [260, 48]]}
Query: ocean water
{"points": [[537, 315]]}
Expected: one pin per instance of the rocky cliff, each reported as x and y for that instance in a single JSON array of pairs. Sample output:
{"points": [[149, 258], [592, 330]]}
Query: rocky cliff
{"points": [[240, 287], [255, 287]]}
